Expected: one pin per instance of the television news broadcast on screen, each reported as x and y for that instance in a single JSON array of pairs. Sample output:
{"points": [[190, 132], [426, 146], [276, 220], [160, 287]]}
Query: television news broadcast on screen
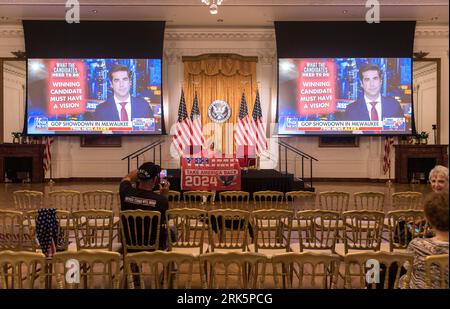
{"points": [[94, 96], [345, 96]]}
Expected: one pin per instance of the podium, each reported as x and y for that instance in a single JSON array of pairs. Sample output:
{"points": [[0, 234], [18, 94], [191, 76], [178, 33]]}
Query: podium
{"points": [[35, 152], [246, 155], [411, 159]]}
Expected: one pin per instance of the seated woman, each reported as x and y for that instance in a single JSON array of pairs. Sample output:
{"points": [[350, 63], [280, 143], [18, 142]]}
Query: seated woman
{"points": [[439, 178], [437, 213]]}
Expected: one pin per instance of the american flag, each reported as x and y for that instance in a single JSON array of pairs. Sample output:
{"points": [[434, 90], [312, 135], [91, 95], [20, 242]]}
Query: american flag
{"points": [[258, 126], [197, 137], [243, 134], [182, 137], [48, 140], [389, 141]]}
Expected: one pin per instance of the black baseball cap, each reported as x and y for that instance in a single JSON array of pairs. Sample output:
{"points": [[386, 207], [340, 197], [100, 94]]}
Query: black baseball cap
{"points": [[148, 170]]}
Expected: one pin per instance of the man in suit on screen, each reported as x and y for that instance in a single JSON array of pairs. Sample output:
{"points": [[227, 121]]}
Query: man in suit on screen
{"points": [[122, 106], [372, 106]]}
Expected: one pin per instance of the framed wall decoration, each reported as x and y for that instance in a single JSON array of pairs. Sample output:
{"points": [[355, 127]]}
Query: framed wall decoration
{"points": [[101, 141], [338, 141]]}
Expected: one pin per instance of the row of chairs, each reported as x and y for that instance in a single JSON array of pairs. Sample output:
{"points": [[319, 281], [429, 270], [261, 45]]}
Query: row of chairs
{"points": [[330, 200], [77, 230], [273, 231], [242, 270], [65, 200], [269, 230]]}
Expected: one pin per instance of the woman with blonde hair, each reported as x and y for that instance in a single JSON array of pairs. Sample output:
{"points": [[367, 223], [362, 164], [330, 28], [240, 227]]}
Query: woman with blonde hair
{"points": [[439, 178]]}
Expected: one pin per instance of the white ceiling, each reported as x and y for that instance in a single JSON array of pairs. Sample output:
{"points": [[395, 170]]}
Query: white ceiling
{"points": [[232, 13]]}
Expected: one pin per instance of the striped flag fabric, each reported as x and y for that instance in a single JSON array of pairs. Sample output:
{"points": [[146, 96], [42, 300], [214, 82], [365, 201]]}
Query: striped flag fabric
{"points": [[243, 133], [48, 141], [182, 136], [258, 126], [388, 142], [197, 138]]}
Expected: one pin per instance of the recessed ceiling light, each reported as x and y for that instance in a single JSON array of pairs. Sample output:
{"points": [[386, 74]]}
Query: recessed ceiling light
{"points": [[94, 11], [344, 12]]}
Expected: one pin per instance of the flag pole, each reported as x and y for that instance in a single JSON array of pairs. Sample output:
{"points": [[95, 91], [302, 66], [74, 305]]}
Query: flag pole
{"points": [[51, 181], [389, 182]]}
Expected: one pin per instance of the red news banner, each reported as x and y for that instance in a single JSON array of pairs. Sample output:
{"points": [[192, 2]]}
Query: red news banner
{"points": [[316, 87], [217, 174], [66, 87]]}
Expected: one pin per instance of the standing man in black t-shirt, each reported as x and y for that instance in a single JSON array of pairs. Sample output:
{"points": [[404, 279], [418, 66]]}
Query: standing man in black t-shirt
{"points": [[141, 196]]}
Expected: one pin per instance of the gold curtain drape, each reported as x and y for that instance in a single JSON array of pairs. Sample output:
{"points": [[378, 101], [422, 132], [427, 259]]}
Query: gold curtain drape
{"points": [[220, 77]]}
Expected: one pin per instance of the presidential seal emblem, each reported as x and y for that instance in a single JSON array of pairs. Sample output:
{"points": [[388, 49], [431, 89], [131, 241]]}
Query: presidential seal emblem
{"points": [[219, 111]]}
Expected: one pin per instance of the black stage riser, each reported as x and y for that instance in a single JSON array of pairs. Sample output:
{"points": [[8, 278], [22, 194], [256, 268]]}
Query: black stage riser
{"points": [[252, 181]]}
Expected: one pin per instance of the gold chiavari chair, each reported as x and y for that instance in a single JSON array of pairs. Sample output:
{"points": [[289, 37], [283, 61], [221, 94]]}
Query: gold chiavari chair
{"points": [[268, 199], [436, 271], [272, 231], [63, 216], [11, 230], [318, 230], [406, 200], [300, 200], [363, 231], [93, 229], [372, 201], [198, 199], [334, 201], [98, 200], [140, 230], [189, 226], [65, 200], [228, 229], [87, 269], [174, 198], [19, 270], [246, 268], [160, 270], [378, 267], [305, 270], [62, 242], [28, 200], [405, 225], [102, 199], [234, 200]]}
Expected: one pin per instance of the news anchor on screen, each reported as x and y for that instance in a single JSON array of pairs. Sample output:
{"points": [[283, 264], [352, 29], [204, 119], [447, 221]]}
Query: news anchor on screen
{"points": [[372, 106], [122, 106]]}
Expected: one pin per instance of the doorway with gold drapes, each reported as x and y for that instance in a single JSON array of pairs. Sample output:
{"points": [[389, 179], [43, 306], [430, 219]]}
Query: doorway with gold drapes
{"points": [[220, 77]]}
